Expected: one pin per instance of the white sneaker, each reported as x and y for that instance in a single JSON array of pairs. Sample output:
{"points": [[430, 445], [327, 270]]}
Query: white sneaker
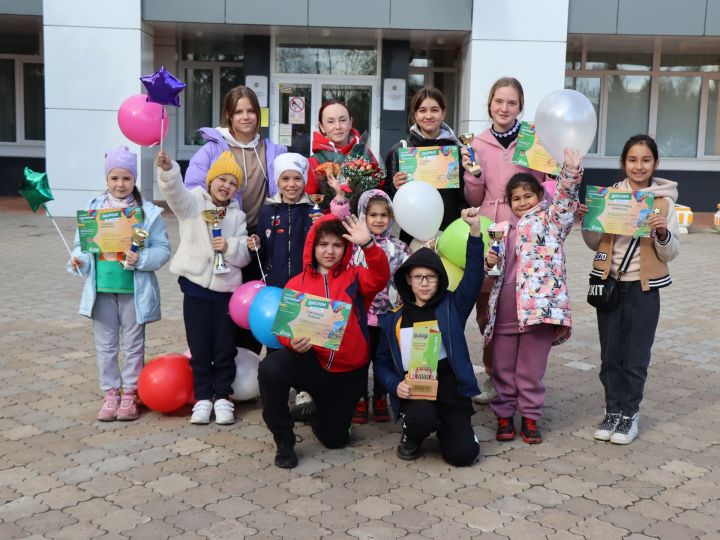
{"points": [[224, 412], [201, 412], [302, 398], [488, 392], [607, 426], [626, 430]]}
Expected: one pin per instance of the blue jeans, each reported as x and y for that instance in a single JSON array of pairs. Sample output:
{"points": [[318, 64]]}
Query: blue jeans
{"points": [[626, 338]]}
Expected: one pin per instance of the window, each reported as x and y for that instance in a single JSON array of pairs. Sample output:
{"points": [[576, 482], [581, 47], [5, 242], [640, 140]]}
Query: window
{"points": [[22, 106], [211, 69], [326, 59], [665, 86], [7, 101], [438, 68]]}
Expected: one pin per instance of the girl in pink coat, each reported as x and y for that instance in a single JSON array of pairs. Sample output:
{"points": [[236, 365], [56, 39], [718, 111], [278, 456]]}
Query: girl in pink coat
{"points": [[494, 149]]}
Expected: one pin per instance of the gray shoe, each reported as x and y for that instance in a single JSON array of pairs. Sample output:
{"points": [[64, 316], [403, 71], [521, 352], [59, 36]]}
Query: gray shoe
{"points": [[487, 394]]}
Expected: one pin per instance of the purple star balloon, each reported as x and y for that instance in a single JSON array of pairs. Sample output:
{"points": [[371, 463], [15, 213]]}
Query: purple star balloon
{"points": [[163, 88]]}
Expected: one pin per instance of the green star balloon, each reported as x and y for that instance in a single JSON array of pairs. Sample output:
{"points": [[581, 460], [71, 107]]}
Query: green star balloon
{"points": [[36, 189]]}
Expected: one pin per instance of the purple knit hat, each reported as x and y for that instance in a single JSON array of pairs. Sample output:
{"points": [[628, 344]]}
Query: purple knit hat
{"points": [[121, 158]]}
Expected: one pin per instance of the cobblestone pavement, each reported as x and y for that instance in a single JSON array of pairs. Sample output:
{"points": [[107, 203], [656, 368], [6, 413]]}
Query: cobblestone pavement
{"points": [[64, 475]]}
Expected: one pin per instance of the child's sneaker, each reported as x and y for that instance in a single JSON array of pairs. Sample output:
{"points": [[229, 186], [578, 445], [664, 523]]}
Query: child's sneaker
{"points": [[408, 449], [505, 429], [285, 456], [304, 408], [201, 412], [361, 412], [110, 407], [380, 410], [128, 406], [529, 431], [224, 412], [626, 430], [607, 426], [487, 394]]}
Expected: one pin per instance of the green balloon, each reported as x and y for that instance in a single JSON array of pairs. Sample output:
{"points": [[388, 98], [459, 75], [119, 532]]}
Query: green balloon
{"points": [[452, 243], [36, 189]]}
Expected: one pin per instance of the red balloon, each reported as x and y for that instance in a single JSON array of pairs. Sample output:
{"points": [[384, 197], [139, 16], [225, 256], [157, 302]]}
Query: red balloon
{"points": [[166, 382], [141, 120]]}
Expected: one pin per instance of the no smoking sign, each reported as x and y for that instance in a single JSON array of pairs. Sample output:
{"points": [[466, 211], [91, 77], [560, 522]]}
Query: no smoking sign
{"points": [[296, 110]]}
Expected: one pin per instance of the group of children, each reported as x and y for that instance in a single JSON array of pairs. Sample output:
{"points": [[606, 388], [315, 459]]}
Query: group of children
{"points": [[359, 261]]}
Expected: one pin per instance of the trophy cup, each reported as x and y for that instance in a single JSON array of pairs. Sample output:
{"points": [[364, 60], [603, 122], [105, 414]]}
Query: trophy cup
{"points": [[466, 139], [137, 242], [496, 234], [215, 217], [316, 199]]}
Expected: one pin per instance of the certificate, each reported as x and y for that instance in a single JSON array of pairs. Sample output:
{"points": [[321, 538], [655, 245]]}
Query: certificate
{"points": [[322, 320], [424, 355], [530, 153], [618, 212], [108, 230], [439, 166]]}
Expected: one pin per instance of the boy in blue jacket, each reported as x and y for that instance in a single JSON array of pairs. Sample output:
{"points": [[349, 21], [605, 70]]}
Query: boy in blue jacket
{"points": [[284, 221], [423, 286]]}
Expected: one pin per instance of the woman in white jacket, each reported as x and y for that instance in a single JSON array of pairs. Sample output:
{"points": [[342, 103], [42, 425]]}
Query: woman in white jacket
{"points": [[627, 330], [209, 329]]}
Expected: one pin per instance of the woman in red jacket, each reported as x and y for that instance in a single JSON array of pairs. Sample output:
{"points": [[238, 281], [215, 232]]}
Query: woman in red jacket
{"points": [[335, 379], [332, 142]]}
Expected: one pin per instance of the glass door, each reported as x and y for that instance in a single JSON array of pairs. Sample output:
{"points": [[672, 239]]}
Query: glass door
{"points": [[358, 99], [294, 128]]}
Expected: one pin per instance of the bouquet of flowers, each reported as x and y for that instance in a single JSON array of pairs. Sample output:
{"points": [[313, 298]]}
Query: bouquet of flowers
{"points": [[357, 175], [322, 170]]}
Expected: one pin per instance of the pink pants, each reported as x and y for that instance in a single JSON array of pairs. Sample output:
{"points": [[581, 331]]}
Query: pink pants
{"points": [[518, 367]]}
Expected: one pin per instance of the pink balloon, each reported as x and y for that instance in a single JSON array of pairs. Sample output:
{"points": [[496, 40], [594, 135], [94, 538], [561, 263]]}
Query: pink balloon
{"points": [[240, 302], [140, 120], [550, 187]]}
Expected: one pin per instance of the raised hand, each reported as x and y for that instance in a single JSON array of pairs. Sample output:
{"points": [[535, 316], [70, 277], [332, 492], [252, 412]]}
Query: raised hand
{"points": [[334, 183], [163, 161], [471, 216], [572, 159], [358, 232]]}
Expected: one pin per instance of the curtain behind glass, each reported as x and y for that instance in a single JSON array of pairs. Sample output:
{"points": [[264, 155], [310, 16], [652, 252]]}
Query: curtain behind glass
{"points": [[678, 116], [8, 128], [198, 104], [34, 106], [628, 110]]}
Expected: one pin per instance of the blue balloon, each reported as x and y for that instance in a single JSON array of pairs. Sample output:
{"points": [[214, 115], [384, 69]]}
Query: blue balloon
{"points": [[263, 309]]}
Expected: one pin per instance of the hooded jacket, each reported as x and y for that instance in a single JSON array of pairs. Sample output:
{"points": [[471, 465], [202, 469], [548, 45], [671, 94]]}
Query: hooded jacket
{"points": [[324, 150], [649, 262], [195, 257], [453, 198], [488, 190], [154, 255], [541, 283], [352, 284], [452, 310], [216, 144], [395, 250], [282, 228]]}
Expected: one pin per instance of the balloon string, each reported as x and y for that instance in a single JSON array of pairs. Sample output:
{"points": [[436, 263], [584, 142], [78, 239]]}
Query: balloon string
{"points": [[47, 212], [162, 126], [257, 255]]}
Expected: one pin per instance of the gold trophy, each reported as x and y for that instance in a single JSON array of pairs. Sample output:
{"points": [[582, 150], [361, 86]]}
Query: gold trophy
{"points": [[215, 217], [316, 199], [466, 139], [137, 242], [496, 234]]}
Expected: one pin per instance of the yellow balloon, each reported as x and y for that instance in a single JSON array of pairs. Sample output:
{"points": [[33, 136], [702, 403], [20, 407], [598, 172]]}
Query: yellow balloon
{"points": [[454, 273]]}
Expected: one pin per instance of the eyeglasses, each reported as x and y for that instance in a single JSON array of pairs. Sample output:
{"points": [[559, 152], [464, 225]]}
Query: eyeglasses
{"points": [[417, 279]]}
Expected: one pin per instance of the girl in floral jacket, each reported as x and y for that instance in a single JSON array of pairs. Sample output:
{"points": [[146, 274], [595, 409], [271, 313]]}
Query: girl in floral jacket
{"points": [[529, 308]]}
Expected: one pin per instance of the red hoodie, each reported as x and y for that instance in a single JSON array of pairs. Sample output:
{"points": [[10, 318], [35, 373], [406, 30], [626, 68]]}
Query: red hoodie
{"points": [[322, 145], [354, 285]]}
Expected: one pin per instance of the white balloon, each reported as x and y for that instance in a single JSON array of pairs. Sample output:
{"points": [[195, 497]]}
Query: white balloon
{"points": [[566, 119], [245, 386], [418, 209]]}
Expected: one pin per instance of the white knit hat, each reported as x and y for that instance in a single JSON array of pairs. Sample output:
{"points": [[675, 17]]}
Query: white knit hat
{"points": [[290, 162]]}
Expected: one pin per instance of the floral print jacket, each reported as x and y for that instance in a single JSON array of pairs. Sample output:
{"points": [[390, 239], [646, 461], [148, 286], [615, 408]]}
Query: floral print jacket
{"points": [[541, 290]]}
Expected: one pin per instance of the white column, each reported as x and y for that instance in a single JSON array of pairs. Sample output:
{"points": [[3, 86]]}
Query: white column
{"points": [[93, 61], [525, 39]]}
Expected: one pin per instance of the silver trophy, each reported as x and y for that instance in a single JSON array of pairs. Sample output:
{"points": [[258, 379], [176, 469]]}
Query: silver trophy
{"points": [[496, 235], [215, 217]]}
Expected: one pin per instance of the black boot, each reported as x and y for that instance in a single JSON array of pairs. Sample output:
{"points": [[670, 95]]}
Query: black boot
{"points": [[285, 457], [408, 449]]}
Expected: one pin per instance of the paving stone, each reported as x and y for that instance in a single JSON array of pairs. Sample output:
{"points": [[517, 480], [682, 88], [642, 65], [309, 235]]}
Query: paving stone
{"points": [[301, 530], [611, 496], [91, 510], [376, 529], [227, 530], [698, 520], [626, 519], [63, 497], [152, 530], [513, 506], [193, 519], [483, 519], [46, 522], [21, 508], [594, 528], [121, 520], [233, 508], [303, 507]]}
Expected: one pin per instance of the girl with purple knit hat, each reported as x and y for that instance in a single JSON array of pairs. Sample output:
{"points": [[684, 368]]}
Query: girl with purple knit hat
{"points": [[122, 298]]}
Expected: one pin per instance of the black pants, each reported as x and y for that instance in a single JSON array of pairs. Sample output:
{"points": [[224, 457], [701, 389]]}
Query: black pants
{"points": [[626, 338], [335, 395], [211, 336], [458, 443], [378, 390]]}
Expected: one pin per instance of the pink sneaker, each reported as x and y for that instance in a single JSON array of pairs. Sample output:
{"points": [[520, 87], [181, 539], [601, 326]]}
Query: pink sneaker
{"points": [[128, 406], [109, 410]]}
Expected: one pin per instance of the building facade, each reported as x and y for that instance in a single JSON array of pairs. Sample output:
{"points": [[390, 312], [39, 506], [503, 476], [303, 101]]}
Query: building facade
{"points": [[648, 66]]}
